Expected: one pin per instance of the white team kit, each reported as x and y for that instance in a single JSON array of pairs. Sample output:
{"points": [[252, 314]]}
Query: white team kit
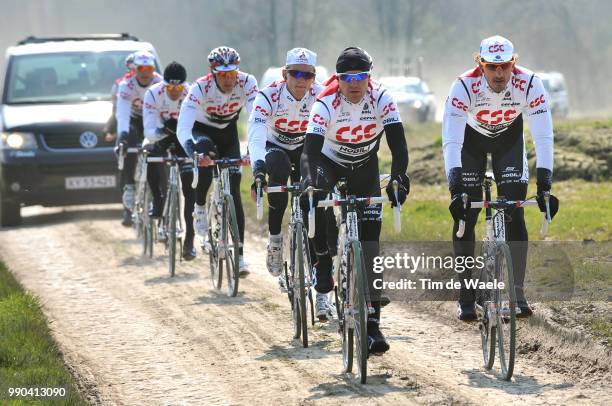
{"points": [[472, 102], [207, 104], [130, 96], [278, 118], [352, 131], [158, 108]]}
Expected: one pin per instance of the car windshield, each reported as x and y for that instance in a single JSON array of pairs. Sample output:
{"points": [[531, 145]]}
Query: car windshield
{"points": [[63, 77], [403, 87]]}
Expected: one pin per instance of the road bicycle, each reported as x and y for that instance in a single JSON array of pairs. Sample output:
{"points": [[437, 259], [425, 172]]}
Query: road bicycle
{"points": [[170, 226], [297, 267], [223, 244], [352, 296], [496, 304], [142, 223]]}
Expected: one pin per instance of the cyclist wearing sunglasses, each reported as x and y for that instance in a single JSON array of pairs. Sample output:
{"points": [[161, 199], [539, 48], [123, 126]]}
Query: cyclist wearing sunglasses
{"points": [[277, 127], [484, 114], [162, 103], [344, 131], [207, 124], [129, 121]]}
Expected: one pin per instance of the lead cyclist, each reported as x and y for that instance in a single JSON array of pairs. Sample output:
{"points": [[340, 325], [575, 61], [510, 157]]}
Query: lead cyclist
{"points": [[344, 131], [484, 114]]}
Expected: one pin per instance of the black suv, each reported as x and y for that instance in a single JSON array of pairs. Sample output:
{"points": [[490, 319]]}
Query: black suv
{"points": [[55, 103]]}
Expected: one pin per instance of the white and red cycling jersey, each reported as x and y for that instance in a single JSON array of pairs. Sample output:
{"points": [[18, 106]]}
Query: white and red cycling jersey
{"points": [[279, 118], [352, 131], [158, 108], [130, 97], [115, 86], [472, 102]]}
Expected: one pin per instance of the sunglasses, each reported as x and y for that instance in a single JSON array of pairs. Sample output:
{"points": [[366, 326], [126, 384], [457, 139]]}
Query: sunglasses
{"points": [[491, 66], [298, 74], [226, 74], [349, 77], [146, 68], [172, 88]]}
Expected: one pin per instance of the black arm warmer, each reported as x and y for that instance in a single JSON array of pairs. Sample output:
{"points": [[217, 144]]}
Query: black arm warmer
{"points": [[455, 181], [311, 155], [399, 150]]}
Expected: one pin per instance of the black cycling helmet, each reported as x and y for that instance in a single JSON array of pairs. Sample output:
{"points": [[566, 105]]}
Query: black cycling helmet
{"points": [[223, 59], [175, 73], [353, 58]]}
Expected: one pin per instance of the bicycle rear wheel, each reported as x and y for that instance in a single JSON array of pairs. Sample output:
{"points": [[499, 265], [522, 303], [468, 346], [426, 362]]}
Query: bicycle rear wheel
{"points": [[484, 299], [301, 284], [214, 233], [506, 311], [172, 230], [232, 246]]}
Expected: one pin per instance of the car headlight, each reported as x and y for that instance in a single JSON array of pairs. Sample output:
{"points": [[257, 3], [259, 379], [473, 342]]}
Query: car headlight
{"points": [[417, 104], [17, 140]]}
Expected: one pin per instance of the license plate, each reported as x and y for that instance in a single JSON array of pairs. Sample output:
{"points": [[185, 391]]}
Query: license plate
{"points": [[90, 182]]}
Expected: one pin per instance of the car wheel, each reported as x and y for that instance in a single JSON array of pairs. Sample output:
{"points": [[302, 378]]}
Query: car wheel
{"points": [[10, 213]]}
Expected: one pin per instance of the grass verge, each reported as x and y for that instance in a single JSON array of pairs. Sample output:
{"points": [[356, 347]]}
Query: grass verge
{"points": [[29, 358]]}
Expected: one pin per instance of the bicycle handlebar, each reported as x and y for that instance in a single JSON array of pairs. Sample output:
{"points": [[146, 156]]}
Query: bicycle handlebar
{"points": [[397, 221], [507, 204], [155, 159], [123, 151]]}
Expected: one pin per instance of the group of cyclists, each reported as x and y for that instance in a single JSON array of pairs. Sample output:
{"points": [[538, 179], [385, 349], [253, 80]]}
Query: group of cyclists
{"points": [[300, 130]]}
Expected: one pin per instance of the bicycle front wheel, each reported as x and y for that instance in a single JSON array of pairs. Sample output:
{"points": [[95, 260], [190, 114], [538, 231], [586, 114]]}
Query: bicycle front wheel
{"points": [[300, 276], [172, 229], [506, 310], [232, 246], [214, 231], [359, 308], [484, 304]]}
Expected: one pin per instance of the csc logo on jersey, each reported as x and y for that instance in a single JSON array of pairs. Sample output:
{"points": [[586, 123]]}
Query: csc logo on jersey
{"points": [[262, 110], [388, 109], [496, 48], [224, 109], [537, 101], [495, 117], [318, 119], [193, 99], [476, 87], [274, 96], [518, 83], [357, 134], [459, 104], [291, 126]]}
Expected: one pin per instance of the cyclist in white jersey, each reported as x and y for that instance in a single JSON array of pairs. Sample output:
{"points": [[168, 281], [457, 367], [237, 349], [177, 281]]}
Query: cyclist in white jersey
{"points": [[277, 127], [162, 103], [344, 131], [207, 124], [110, 129], [129, 121], [484, 114]]}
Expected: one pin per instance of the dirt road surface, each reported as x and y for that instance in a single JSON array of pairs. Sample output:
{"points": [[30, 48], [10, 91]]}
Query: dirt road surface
{"points": [[133, 335]]}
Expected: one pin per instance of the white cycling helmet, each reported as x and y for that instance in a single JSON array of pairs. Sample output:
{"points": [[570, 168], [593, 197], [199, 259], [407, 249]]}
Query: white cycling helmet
{"points": [[144, 58]]}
